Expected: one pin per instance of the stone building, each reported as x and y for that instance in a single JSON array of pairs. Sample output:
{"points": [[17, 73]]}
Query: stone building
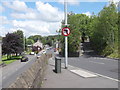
{"points": [[38, 46]]}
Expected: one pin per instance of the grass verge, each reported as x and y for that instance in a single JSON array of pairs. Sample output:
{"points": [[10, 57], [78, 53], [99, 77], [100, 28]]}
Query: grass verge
{"points": [[1, 62], [10, 60]]}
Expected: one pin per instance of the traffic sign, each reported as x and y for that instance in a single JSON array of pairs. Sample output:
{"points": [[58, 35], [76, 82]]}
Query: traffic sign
{"points": [[66, 31]]}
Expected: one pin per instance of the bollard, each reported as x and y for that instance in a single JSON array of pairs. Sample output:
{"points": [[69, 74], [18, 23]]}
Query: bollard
{"points": [[57, 65]]}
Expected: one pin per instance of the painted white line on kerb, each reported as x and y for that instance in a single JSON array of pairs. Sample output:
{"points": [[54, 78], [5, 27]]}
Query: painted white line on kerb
{"points": [[96, 62], [108, 77], [83, 73], [74, 68], [107, 59]]}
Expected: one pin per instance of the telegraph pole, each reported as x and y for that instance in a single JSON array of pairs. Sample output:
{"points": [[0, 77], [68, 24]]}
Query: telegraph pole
{"points": [[66, 39]]}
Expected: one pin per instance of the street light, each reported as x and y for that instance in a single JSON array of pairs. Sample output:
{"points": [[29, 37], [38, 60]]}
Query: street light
{"points": [[66, 39], [0, 50]]}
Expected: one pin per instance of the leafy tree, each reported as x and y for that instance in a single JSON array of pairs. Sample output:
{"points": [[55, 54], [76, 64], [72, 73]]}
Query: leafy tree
{"points": [[22, 38], [78, 24], [12, 44], [29, 41], [104, 30], [35, 37]]}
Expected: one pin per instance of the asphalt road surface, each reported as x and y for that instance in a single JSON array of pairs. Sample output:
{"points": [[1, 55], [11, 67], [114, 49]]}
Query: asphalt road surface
{"points": [[102, 66], [13, 70], [92, 62]]}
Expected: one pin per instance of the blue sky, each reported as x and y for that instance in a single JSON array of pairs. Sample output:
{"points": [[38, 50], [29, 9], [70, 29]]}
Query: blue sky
{"points": [[42, 18], [83, 7]]}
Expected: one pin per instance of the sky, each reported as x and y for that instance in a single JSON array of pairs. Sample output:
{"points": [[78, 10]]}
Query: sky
{"points": [[39, 17]]}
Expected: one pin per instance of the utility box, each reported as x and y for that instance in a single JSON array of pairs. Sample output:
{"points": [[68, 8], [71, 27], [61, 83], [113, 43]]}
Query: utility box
{"points": [[57, 65]]}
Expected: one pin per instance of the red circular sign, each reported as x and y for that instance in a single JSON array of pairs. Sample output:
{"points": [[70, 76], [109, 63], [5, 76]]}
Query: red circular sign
{"points": [[66, 31]]}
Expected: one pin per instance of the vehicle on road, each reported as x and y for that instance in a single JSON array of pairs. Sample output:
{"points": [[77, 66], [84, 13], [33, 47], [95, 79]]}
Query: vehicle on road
{"points": [[32, 53], [54, 49], [47, 48], [24, 59], [51, 48], [43, 51], [38, 55]]}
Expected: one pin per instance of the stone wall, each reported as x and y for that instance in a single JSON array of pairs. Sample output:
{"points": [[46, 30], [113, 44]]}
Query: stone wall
{"points": [[33, 77]]}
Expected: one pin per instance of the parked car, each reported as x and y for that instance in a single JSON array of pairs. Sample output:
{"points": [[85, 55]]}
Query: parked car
{"points": [[24, 59], [32, 53], [38, 55], [43, 51], [54, 49], [47, 48]]}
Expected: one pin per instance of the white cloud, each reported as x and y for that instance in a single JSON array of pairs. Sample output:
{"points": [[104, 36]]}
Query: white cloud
{"points": [[87, 13], [44, 12], [29, 15], [43, 20], [48, 12], [17, 6], [4, 30], [3, 20], [37, 27], [2, 9], [70, 2]]}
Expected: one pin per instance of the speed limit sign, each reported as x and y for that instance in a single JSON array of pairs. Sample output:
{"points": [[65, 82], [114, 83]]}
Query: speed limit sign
{"points": [[66, 31]]}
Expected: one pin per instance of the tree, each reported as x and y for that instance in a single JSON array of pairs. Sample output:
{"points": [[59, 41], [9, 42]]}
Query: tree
{"points": [[29, 41], [78, 24], [35, 37], [12, 44], [104, 30], [22, 38]]}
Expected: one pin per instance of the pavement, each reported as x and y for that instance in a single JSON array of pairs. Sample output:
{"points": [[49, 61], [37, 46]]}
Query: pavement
{"points": [[75, 77]]}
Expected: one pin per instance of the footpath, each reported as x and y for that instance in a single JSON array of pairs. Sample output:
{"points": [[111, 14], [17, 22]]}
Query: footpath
{"points": [[74, 77]]}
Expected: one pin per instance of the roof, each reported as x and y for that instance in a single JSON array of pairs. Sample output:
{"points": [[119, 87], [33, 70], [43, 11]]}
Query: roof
{"points": [[38, 43]]}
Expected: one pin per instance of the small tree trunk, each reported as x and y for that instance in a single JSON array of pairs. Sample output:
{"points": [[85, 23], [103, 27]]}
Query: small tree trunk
{"points": [[7, 56], [16, 54]]}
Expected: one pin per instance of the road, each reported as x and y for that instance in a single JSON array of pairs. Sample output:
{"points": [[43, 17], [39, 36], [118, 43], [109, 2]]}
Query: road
{"points": [[102, 66], [13, 70], [92, 62]]}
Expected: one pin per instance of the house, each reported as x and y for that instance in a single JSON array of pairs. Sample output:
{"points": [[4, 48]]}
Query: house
{"points": [[38, 46]]}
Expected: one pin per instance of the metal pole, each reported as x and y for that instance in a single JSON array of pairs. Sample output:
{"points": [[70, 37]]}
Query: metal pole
{"points": [[0, 50], [66, 41], [24, 43]]}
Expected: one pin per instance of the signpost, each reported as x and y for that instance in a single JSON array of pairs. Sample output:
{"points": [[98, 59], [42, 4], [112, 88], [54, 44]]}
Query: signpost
{"points": [[66, 32]]}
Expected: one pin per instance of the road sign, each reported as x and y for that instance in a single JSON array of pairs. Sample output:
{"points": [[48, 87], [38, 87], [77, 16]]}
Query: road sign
{"points": [[66, 31]]}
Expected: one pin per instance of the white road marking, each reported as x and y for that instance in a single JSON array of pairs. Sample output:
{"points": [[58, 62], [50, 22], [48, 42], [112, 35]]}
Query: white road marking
{"points": [[73, 68], [83, 73], [96, 62], [108, 59], [108, 77]]}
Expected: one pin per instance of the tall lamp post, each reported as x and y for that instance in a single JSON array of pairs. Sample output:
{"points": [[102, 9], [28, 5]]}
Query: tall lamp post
{"points": [[0, 50], [66, 39], [0, 67]]}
